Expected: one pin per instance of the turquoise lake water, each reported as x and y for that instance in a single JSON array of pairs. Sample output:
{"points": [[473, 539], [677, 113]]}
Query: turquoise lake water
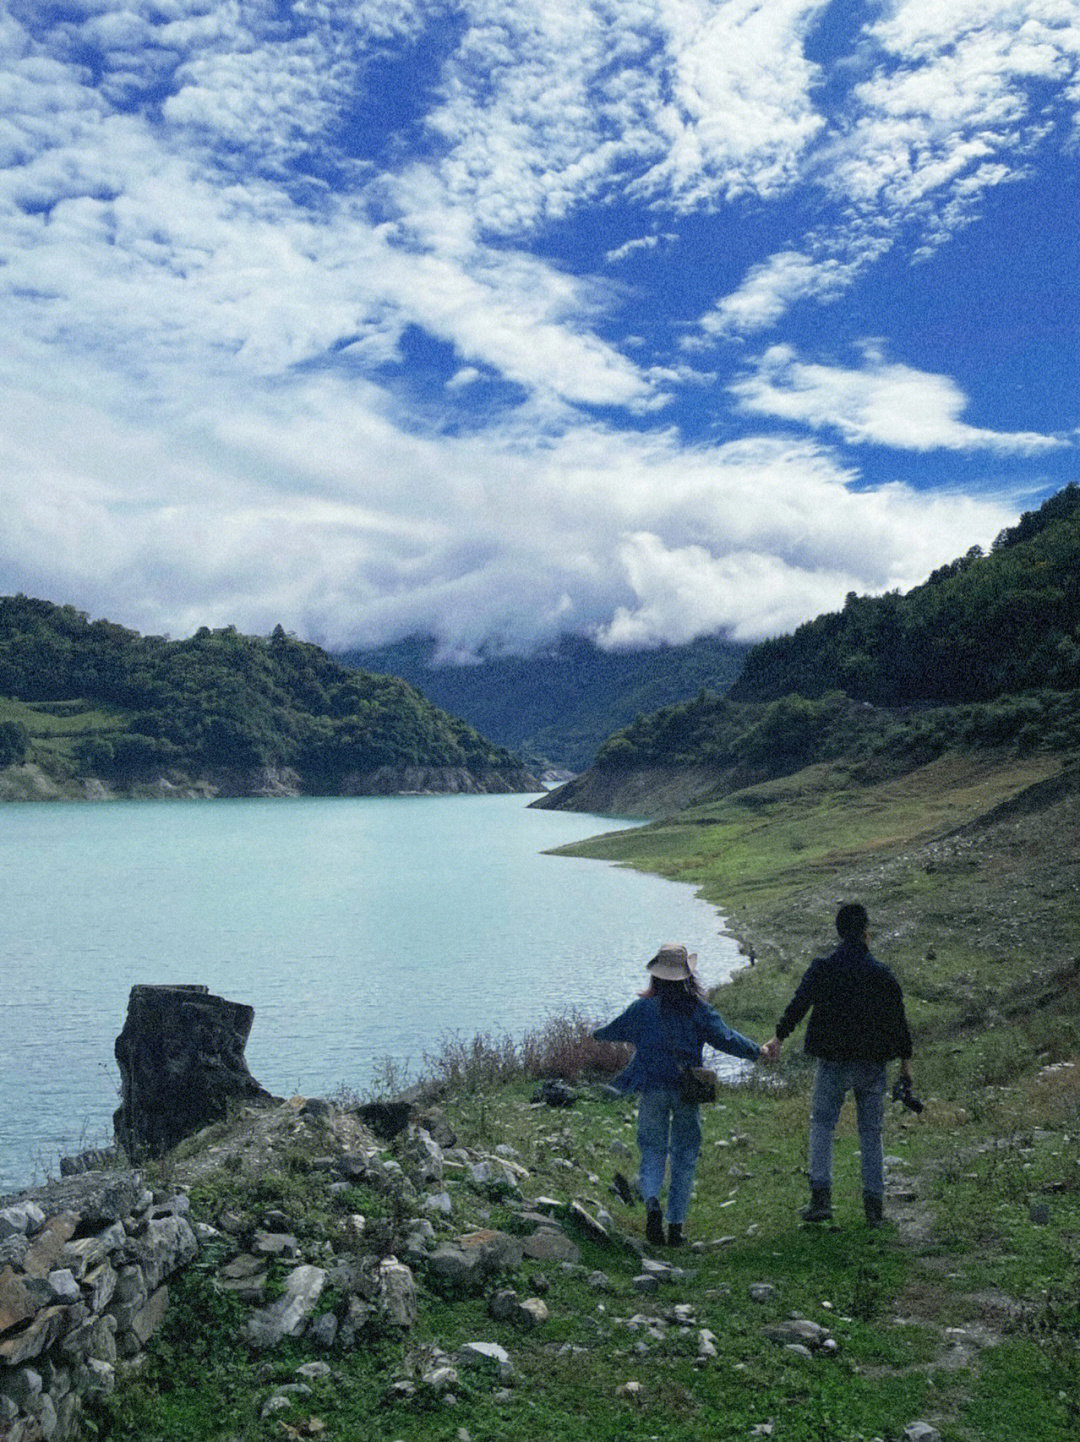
{"points": [[359, 929]]}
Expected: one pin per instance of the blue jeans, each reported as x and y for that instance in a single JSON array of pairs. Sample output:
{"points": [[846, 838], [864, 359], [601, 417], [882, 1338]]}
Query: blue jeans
{"points": [[832, 1083], [668, 1128]]}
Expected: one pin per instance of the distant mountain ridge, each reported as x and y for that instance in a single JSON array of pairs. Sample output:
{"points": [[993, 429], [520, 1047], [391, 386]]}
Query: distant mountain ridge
{"points": [[562, 702], [220, 712]]}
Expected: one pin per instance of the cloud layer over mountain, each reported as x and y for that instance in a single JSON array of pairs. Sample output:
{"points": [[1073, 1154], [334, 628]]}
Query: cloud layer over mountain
{"points": [[637, 319]]}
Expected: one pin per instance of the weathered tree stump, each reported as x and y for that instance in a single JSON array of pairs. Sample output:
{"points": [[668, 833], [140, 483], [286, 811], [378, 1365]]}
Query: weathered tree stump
{"points": [[181, 1059]]}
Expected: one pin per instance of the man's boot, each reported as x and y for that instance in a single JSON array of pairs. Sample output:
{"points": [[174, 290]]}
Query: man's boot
{"points": [[820, 1208], [654, 1223], [674, 1234], [872, 1205]]}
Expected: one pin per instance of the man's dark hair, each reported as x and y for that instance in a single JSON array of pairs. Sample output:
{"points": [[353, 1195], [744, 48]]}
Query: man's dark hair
{"points": [[852, 921]]}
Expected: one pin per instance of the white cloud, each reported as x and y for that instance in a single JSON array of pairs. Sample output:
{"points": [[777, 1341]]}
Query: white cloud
{"points": [[208, 296], [686, 592], [956, 102], [317, 509], [631, 247], [882, 403], [741, 115], [772, 287]]}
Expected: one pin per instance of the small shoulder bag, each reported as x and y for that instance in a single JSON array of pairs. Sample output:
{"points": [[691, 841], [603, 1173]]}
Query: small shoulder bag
{"points": [[698, 1084]]}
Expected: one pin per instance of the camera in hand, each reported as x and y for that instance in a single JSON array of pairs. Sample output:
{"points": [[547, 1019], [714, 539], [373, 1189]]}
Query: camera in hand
{"points": [[902, 1092]]}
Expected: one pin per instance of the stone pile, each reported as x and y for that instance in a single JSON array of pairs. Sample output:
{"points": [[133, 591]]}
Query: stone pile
{"points": [[84, 1269]]}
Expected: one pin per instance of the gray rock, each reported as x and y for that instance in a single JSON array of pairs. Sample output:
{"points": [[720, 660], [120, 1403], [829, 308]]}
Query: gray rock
{"points": [[423, 1158], [921, 1432], [798, 1331], [149, 1317], [181, 1059], [589, 1224], [313, 1371], [290, 1314], [63, 1287], [467, 1264], [46, 1327], [46, 1417], [532, 1313], [486, 1354], [83, 1254], [100, 1286], [13, 1249], [167, 1244], [323, 1332], [397, 1294], [357, 1317], [549, 1244], [24, 1387], [101, 1377], [646, 1282], [94, 1159], [22, 1219], [276, 1244], [761, 1291]]}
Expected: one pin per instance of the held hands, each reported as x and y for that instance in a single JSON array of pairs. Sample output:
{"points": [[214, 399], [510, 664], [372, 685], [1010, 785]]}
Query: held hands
{"points": [[770, 1052]]}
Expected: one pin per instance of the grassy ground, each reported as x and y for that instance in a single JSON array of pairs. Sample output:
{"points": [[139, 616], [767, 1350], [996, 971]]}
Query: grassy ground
{"points": [[963, 1311], [54, 729]]}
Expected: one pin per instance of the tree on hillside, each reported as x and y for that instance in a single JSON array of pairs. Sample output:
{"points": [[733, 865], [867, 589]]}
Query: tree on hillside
{"points": [[982, 626]]}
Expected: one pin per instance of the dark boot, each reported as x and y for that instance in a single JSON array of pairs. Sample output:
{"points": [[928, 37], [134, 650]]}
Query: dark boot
{"points": [[872, 1205], [654, 1223], [674, 1234], [820, 1208]]}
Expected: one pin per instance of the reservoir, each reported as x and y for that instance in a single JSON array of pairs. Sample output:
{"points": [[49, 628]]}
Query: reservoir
{"points": [[363, 931]]}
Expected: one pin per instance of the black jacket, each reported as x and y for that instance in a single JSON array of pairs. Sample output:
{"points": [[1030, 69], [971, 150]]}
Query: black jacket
{"points": [[858, 1008]]}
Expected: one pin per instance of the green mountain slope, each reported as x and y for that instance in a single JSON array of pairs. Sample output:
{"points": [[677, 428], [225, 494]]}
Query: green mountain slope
{"points": [[985, 654], [981, 627], [86, 698], [560, 703]]}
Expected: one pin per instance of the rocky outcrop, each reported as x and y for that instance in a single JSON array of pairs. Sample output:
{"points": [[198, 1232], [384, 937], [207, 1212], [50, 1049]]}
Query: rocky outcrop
{"points": [[84, 1270], [435, 781], [181, 1059], [646, 791], [29, 782]]}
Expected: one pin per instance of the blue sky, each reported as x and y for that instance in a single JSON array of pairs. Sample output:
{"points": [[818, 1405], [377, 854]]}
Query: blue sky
{"points": [[640, 319]]}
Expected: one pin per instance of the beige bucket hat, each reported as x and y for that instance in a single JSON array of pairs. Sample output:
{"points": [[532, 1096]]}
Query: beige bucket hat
{"points": [[672, 962]]}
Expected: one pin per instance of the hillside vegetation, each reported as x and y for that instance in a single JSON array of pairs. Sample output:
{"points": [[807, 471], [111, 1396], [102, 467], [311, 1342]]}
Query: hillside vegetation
{"points": [[984, 626], [560, 703], [985, 655], [91, 699]]}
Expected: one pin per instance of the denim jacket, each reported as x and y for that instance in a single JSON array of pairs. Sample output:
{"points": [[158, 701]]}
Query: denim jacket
{"points": [[666, 1040]]}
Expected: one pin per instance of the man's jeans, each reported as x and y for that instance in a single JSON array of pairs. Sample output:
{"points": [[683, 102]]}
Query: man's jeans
{"points": [[668, 1127], [831, 1084]]}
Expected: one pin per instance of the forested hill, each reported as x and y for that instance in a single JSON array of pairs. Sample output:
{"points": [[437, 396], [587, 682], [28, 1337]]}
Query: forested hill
{"points": [[560, 703], [985, 655], [85, 698], [982, 627]]}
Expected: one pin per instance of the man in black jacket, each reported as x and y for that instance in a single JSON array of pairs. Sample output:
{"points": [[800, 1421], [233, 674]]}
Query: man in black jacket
{"points": [[857, 1023]]}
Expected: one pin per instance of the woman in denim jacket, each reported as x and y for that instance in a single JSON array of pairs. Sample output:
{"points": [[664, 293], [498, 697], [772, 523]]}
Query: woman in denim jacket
{"points": [[668, 1025]]}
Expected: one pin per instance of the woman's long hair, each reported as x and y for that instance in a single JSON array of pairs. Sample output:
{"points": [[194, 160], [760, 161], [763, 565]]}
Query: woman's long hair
{"points": [[676, 995]]}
